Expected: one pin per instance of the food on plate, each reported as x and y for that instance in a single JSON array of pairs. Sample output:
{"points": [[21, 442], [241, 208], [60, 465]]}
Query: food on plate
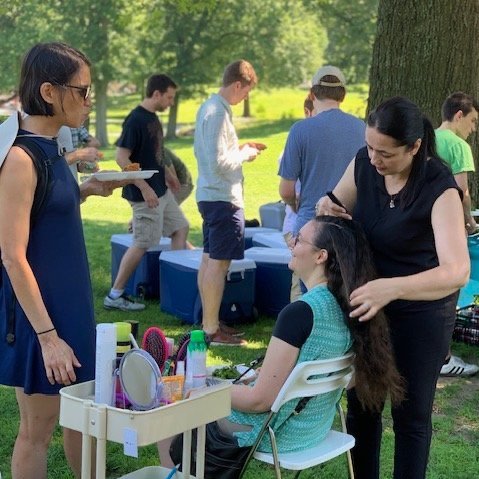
{"points": [[227, 372], [258, 146], [132, 167]]}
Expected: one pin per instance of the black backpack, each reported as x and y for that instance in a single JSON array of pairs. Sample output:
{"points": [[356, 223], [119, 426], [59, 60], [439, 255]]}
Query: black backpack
{"points": [[42, 165]]}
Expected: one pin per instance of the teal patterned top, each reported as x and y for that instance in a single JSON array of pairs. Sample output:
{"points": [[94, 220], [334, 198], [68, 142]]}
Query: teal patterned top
{"points": [[329, 338]]}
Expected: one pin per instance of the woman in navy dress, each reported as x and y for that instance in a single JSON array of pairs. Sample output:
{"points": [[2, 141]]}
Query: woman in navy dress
{"points": [[47, 327], [409, 205]]}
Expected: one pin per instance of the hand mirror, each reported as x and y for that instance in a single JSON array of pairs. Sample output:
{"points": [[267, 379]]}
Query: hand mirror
{"points": [[140, 379]]}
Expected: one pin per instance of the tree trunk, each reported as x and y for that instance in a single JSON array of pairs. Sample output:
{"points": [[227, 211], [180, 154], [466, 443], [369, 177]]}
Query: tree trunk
{"points": [[172, 117], [425, 51], [246, 108], [101, 111]]}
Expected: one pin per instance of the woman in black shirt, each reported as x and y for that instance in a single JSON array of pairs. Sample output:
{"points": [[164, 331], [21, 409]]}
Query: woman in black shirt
{"points": [[410, 207]]}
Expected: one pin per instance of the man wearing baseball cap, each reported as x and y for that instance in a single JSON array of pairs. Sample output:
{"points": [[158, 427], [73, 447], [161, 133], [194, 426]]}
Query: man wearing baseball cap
{"points": [[319, 149]]}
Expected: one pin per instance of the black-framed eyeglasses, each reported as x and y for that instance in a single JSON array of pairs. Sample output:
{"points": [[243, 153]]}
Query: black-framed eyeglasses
{"points": [[299, 239], [84, 90]]}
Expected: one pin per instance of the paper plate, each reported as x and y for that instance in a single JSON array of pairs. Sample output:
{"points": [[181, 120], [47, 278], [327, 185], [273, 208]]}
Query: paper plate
{"points": [[8, 133], [122, 175]]}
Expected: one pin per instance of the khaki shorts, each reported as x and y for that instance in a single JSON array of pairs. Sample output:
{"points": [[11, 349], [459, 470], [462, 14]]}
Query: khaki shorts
{"points": [[150, 224]]}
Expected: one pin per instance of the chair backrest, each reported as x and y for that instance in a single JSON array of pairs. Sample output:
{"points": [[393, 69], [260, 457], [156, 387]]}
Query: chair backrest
{"points": [[311, 378]]}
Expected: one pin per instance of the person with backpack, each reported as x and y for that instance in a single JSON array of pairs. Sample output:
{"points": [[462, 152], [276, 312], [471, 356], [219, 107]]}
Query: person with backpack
{"points": [[47, 325]]}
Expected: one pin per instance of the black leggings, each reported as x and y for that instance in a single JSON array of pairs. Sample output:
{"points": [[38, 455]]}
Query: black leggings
{"points": [[420, 341]]}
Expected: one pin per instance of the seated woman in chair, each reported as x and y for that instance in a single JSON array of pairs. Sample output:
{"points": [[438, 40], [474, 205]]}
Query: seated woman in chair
{"points": [[332, 258]]}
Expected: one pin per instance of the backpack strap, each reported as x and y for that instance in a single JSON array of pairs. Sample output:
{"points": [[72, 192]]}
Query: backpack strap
{"points": [[42, 165]]}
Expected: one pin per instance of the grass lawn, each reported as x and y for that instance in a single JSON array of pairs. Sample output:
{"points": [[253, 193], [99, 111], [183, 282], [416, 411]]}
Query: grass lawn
{"points": [[455, 424]]}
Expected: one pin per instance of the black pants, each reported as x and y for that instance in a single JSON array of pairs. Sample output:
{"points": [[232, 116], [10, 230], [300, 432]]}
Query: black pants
{"points": [[420, 341]]}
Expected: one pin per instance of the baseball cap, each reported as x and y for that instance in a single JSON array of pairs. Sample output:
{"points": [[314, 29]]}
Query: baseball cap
{"points": [[326, 71]]}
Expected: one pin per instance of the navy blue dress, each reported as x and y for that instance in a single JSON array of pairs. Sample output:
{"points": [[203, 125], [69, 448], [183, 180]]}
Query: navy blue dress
{"points": [[57, 255]]}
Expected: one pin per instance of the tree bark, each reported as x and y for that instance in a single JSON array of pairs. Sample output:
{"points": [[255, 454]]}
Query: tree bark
{"points": [[101, 132], [172, 118], [425, 51]]}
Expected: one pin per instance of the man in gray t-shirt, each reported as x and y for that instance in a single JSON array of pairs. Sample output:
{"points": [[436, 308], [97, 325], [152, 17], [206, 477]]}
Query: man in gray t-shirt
{"points": [[319, 149]]}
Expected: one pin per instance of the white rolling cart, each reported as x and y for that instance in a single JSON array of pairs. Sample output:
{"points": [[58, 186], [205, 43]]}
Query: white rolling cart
{"points": [[105, 423]]}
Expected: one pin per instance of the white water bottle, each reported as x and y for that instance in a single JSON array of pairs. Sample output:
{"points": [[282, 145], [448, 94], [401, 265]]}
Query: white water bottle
{"points": [[105, 363], [196, 360]]}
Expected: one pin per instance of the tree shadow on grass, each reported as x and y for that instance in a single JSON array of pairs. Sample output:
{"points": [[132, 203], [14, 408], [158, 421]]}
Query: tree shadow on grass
{"points": [[262, 129], [245, 128]]}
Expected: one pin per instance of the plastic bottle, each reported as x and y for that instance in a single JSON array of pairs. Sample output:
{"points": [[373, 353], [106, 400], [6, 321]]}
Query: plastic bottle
{"points": [[123, 345], [196, 360], [105, 363]]}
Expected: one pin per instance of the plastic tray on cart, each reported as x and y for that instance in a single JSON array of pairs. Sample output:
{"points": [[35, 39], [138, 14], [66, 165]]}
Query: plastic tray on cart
{"points": [[79, 412]]}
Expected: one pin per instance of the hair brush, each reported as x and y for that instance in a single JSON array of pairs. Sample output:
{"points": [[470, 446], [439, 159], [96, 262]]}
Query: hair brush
{"points": [[154, 342]]}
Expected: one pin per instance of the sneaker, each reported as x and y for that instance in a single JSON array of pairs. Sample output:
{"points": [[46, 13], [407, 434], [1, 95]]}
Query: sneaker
{"points": [[124, 303], [229, 330], [457, 367], [220, 338]]}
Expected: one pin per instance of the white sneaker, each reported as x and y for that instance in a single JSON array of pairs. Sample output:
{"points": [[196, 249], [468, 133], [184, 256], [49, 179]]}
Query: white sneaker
{"points": [[457, 367], [124, 303]]}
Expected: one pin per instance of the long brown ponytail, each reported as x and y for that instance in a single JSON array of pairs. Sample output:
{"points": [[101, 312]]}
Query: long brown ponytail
{"points": [[350, 265]]}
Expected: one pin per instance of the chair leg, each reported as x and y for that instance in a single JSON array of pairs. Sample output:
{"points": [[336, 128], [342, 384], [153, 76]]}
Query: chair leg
{"points": [[274, 449], [348, 453], [350, 464]]}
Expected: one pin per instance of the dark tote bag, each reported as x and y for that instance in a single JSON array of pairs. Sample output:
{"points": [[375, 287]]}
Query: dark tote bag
{"points": [[224, 459], [466, 328]]}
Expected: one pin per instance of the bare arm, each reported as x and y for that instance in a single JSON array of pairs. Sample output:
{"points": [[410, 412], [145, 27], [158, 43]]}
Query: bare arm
{"points": [[461, 180], [93, 142], [278, 363], [17, 187], [149, 195], [345, 191], [288, 193], [171, 178], [82, 154], [451, 274]]}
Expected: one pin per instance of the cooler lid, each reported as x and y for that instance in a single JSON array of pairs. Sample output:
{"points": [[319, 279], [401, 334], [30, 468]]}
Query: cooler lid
{"points": [[249, 232], [261, 254], [271, 240], [191, 258], [127, 240]]}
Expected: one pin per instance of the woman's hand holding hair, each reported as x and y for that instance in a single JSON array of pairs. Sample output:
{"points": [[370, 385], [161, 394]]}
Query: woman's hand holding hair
{"points": [[368, 299], [326, 207], [58, 358]]}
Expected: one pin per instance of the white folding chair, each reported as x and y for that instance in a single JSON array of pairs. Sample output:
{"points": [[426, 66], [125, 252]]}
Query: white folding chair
{"points": [[309, 379]]}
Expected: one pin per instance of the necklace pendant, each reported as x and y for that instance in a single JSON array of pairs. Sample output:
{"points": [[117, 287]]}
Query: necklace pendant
{"points": [[391, 203]]}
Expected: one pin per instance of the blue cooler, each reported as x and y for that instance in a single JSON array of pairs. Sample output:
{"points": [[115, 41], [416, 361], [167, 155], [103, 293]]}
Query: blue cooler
{"points": [[466, 294], [144, 282], [473, 245], [270, 240], [249, 232], [273, 278], [272, 215], [179, 288]]}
